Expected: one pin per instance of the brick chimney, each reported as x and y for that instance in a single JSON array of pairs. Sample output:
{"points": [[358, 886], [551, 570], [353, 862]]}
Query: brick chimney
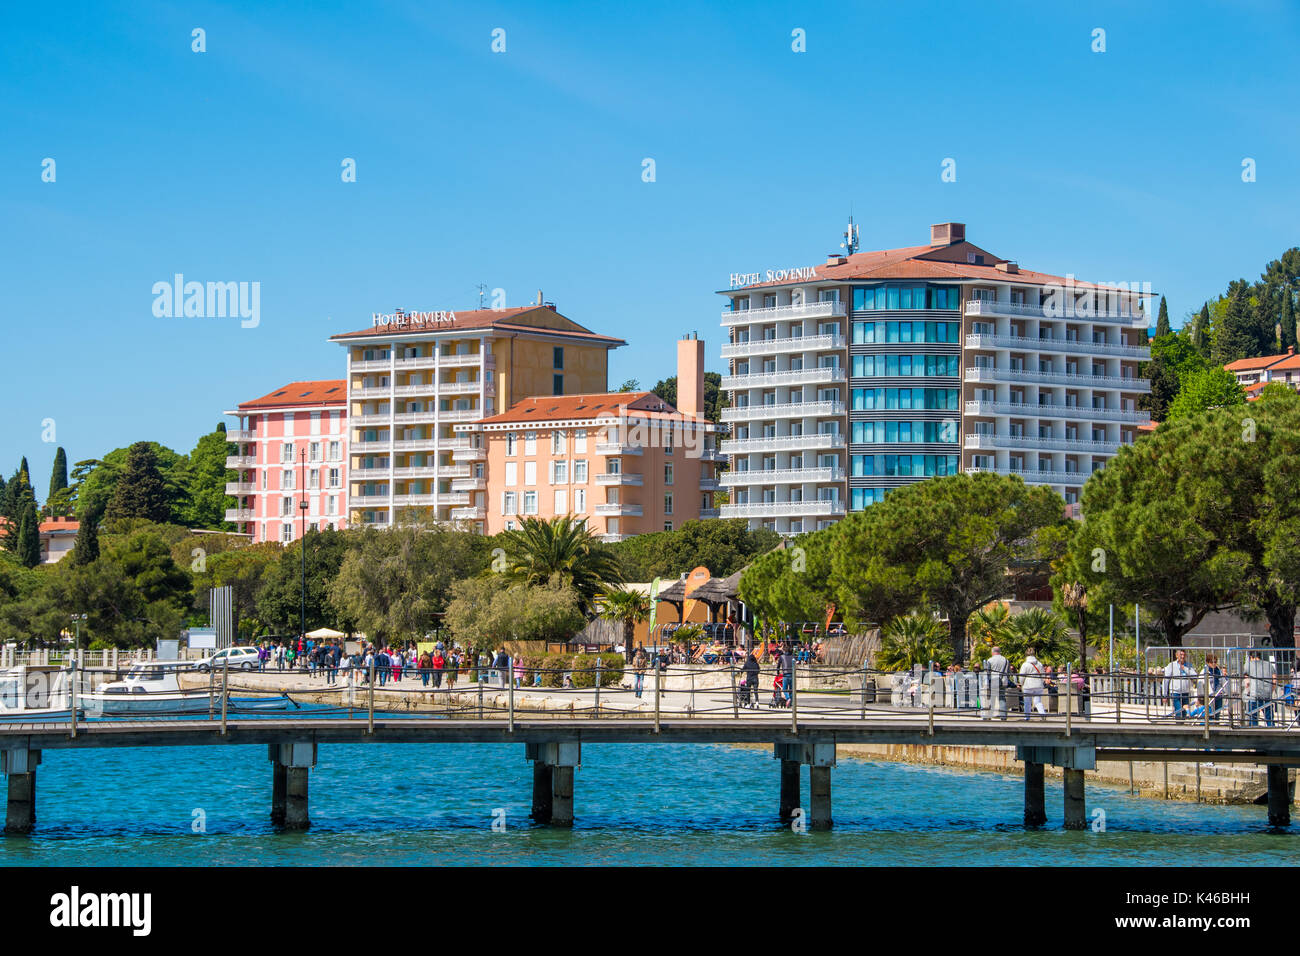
{"points": [[690, 376], [947, 233]]}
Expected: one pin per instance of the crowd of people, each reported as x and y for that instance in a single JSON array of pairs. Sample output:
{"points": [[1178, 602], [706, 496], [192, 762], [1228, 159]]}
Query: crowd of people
{"points": [[438, 667]]}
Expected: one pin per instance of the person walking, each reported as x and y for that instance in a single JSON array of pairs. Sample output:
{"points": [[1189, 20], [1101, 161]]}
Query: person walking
{"points": [[998, 667], [1258, 688], [638, 668], [1031, 683], [751, 680], [453, 668], [1178, 684]]}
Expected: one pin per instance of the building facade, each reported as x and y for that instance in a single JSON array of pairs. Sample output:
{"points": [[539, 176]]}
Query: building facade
{"points": [[1254, 373], [624, 462], [880, 369], [292, 448], [413, 377]]}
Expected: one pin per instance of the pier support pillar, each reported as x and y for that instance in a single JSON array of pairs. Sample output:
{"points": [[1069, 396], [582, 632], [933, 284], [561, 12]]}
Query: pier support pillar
{"points": [[20, 771], [295, 762], [1035, 813], [279, 779], [1076, 811], [789, 789], [1279, 799], [819, 792], [553, 766]]}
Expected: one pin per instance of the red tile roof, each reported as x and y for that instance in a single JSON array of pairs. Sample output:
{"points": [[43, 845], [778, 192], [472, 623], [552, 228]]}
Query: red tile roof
{"points": [[1254, 364], [495, 319], [554, 408], [326, 392], [925, 262]]}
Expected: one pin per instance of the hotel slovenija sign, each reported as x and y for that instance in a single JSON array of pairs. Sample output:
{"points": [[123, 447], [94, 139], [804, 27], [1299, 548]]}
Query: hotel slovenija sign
{"points": [[741, 279]]}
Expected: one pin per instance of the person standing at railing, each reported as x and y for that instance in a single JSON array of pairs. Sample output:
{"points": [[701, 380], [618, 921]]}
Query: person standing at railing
{"points": [[1032, 683], [639, 662], [1258, 689], [1212, 685], [1178, 684], [998, 668]]}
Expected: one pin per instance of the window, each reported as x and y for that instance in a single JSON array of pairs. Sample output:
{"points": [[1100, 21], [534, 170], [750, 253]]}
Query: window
{"points": [[561, 502], [580, 440], [668, 504], [530, 443], [313, 479], [264, 473], [558, 442], [286, 532], [668, 526], [668, 441], [510, 443], [335, 451], [561, 469], [580, 499], [288, 423], [512, 473], [530, 473], [668, 473], [331, 505], [314, 454], [557, 358], [286, 453], [286, 479], [580, 471], [286, 507], [334, 478], [509, 503], [315, 423], [530, 502]]}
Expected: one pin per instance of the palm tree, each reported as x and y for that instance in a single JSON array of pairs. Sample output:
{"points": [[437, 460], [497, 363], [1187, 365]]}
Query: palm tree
{"points": [[1042, 630], [630, 607], [913, 639], [988, 628], [1075, 597], [540, 550]]}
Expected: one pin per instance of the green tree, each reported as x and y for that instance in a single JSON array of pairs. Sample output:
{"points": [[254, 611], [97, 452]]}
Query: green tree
{"points": [[140, 491], [1239, 332], [95, 480], [953, 543], [206, 501], [1287, 320], [715, 400], [86, 548], [724, 546], [1212, 388], [627, 606], [913, 640], [1200, 335], [29, 537], [630, 385], [487, 610], [1162, 319], [791, 584], [280, 590], [59, 502], [539, 550], [18, 497]]}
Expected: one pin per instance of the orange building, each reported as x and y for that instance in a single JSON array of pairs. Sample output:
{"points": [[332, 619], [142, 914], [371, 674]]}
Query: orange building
{"points": [[626, 462]]}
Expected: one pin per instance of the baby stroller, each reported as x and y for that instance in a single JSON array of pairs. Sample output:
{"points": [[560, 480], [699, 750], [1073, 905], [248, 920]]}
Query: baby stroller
{"points": [[743, 696], [778, 692]]}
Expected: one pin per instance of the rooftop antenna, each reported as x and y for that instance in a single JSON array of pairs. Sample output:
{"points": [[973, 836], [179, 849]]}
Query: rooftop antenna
{"points": [[482, 289], [851, 242]]}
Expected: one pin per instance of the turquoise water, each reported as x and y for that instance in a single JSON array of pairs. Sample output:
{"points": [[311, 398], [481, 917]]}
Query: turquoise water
{"points": [[635, 804]]}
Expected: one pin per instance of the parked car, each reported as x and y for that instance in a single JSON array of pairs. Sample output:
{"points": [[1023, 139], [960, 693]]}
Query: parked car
{"points": [[240, 658]]}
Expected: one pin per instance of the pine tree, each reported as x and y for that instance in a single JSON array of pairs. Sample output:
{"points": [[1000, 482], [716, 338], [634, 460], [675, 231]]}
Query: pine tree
{"points": [[86, 548], [140, 491], [1239, 333], [1162, 319], [29, 537]]}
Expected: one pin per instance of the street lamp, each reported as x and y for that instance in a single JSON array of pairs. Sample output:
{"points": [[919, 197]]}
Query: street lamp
{"points": [[302, 506], [76, 622]]}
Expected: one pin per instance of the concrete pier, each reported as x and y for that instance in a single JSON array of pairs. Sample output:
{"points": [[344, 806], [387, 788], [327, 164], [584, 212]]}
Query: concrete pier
{"points": [[819, 792], [295, 762], [789, 789], [20, 771], [1279, 799], [553, 766], [1035, 812], [278, 785], [1076, 810]]}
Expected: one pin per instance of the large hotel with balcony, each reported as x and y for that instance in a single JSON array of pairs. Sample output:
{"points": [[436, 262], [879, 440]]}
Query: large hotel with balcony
{"points": [[412, 377], [880, 369]]}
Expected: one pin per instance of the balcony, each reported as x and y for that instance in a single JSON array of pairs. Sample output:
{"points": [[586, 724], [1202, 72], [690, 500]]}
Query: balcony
{"points": [[1025, 343], [783, 313], [469, 453], [613, 538], [419, 361], [782, 345], [709, 484], [710, 513], [619, 478], [240, 488], [239, 514], [375, 391], [616, 448], [469, 484], [747, 413], [460, 415], [241, 461], [241, 434], [981, 307], [455, 498], [1079, 412], [370, 365], [473, 359], [747, 446], [782, 509], [472, 513], [453, 471], [803, 376], [780, 476], [712, 454], [417, 501], [420, 471], [981, 374], [1038, 477], [615, 509], [978, 442]]}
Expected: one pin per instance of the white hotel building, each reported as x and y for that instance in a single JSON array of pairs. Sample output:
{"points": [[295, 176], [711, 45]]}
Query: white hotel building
{"points": [[880, 369]]}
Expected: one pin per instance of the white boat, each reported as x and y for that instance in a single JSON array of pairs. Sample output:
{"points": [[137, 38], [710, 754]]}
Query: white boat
{"points": [[154, 687], [32, 692]]}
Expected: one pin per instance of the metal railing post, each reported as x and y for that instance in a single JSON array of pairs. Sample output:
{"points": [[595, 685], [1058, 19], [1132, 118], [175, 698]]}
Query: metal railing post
{"points": [[658, 674], [72, 692], [864, 691], [690, 710], [735, 702], [510, 696], [212, 678], [370, 725], [794, 697], [1069, 708], [480, 698], [597, 686], [225, 691]]}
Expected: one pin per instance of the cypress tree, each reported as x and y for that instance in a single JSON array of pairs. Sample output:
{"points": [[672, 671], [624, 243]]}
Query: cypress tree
{"points": [[1288, 321], [29, 537], [86, 548], [1162, 319], [140, 492], [18, 495], [58, 480]]}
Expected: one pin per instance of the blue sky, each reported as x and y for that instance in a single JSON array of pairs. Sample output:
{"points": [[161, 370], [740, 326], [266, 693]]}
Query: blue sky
{"points": [[523, 170]]}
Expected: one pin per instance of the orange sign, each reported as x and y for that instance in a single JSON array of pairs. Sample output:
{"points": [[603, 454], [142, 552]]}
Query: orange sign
{"points": [[693, 581]]}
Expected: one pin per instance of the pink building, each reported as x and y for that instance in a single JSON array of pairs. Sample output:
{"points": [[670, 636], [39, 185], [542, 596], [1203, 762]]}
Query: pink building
{"points": [[292, 448]]}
